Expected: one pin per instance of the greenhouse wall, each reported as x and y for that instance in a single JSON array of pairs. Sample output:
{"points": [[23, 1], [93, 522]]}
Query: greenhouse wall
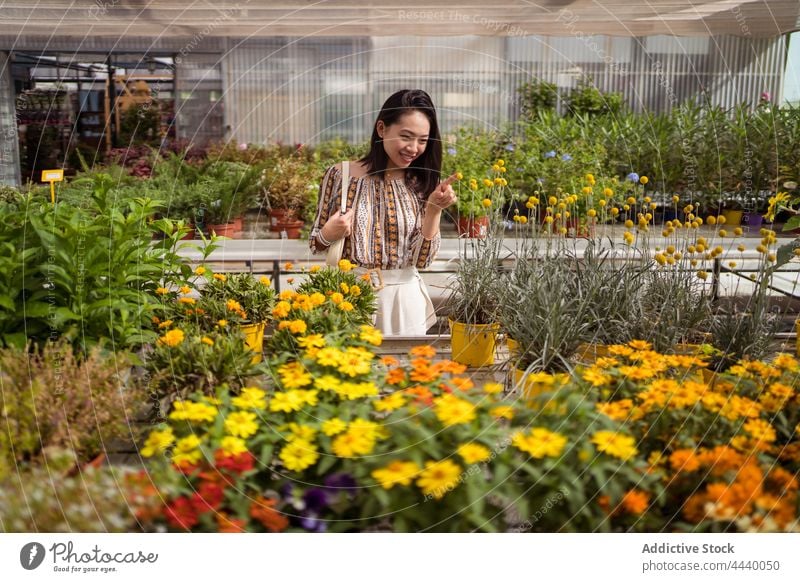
{"points": [[304, 90]]}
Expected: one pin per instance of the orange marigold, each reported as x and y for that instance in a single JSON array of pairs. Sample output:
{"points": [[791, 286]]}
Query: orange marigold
{"points": [[263, 510], [635, 501]]}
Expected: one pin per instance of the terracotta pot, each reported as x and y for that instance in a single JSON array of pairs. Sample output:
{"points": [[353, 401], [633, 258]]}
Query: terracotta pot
{"points": [[292, 228], [232, 229], [473, 226], [281, 216], [580, 229]]}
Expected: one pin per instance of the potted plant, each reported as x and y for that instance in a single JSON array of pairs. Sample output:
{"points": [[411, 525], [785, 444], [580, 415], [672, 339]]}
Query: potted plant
{"points": [[473, 302], [289, 187], [230, 189], [245, 297]]}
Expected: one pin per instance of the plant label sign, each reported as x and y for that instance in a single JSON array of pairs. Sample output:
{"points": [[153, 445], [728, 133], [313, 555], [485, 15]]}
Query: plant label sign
{"points": [[52, 176]]}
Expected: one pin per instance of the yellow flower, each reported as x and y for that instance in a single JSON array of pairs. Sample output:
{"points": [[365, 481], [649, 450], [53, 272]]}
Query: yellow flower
{"points": [[222, 323], [540, 443], [371, 335], [473, 453], [396, 473], [315, 269], [294, 375], [281, 310], [172, 338], [200, 270], [439, 477], [292, 400], [187, 451], [337, 298], [389, 403], [352, 443], [264, 280], [192, 411], [452, 410], [345, 265], [303, 432], [241, 424], [353, 363], [298, 455], [162, 290], [186, 300], [333, 426], [232, 446], [251, 398], [346, 306], [315, 340], [330, 357], [643, 180], [185, 289], [486, 202], [207, 340], [492, 388], [760, 430], [220, 277], [158, 441], [615, 444], [502, 411], [164, 324]]}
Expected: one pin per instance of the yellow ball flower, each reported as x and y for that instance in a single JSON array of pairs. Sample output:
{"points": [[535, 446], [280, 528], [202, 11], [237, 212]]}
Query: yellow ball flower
{"points": [[486, 202]]}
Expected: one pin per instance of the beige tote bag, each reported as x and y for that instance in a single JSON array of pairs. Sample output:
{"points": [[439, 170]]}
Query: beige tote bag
{"points": [[335, 250]]}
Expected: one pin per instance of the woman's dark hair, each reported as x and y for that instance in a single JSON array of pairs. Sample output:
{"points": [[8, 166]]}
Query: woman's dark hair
{"points": [[426, 168]]}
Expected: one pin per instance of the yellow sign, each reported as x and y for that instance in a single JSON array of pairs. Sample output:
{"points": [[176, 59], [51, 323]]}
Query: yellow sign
{"points": [[52, 176]]}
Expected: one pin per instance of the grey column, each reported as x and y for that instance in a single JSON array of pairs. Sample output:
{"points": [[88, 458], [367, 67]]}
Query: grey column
{"points": [[9, 140]]}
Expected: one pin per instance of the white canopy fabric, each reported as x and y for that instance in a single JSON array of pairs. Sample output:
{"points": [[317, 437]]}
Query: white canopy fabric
{"points": [[198, 19]]}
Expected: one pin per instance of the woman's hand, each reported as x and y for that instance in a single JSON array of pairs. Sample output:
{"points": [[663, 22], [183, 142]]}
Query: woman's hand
{"points": [[443, 195], [338, 226]]}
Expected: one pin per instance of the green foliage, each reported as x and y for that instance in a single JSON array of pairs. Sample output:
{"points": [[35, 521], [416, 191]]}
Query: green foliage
{"points": [[587, 100], [537, 95], [87, 274]]}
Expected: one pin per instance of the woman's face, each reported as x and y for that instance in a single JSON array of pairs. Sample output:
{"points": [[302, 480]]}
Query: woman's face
{"points": [[405, 140]]}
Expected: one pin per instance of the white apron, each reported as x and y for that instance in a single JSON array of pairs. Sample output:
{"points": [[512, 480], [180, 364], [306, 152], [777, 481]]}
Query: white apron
{"points": [[404, 306]]}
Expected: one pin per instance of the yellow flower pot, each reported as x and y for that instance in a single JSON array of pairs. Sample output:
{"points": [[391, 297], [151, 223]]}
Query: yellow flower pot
{"points": [[513, 347], [733, 217], [254, 338], [473, 344]]}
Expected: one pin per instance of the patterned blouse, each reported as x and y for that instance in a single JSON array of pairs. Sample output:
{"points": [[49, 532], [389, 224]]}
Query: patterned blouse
{"points": [[387, 228]]}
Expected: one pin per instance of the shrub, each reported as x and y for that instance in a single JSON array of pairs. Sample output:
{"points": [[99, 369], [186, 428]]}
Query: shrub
{"points": [[50, 398]]}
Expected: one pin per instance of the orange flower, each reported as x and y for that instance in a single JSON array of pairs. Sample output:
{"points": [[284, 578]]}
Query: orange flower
{"points": [[424, 351], [227, 524], [635, 502], [462, 383], [395, 376], [423, 395], [264, 511], [684, 460], [390, 361], [422, 372]]}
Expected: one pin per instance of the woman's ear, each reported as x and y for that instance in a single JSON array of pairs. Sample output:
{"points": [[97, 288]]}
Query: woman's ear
{"points": [[380, 127]]}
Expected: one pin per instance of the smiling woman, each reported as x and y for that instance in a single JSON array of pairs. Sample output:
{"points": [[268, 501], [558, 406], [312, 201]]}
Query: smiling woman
{"points": [[393, 206]]}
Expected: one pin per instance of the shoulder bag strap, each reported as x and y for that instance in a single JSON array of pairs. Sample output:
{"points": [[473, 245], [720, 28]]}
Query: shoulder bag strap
{"points": [[345, 184]]}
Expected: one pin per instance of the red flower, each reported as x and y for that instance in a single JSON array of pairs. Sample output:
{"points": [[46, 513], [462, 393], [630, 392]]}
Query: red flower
{"points": [[208, 497], [235, 464], [181, 514]]}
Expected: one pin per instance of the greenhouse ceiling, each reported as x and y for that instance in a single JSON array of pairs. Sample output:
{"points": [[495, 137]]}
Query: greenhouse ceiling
{"points": [[161, 19]]}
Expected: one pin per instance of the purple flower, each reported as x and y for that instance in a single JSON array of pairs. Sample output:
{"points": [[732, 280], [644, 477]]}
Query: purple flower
{"points": [[566, 157], [451, 151], [510, 147], [550, 154], [311, 523], [342, 481], [315, 499], [633, 177]]}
